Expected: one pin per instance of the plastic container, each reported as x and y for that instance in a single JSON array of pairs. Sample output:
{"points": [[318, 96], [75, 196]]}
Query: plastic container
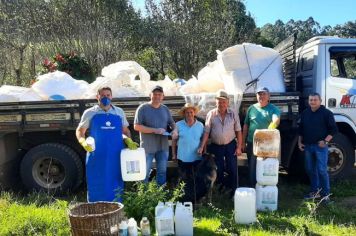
{"points": [[245, 205], [132, 227], [266, 143], [145, 227], [183, 219], [133, 164], [123, 231], [91, 142], [267, 171], [164, 218], [266, 198]]}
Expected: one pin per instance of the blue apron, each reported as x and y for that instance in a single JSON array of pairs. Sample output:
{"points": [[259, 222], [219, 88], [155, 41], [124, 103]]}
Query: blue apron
{"points": [[103, 167]]}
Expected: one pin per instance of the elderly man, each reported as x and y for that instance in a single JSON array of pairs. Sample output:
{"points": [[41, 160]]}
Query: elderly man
{"points": [[152, 120], [222, 125], [107, 124], [317, 128], [261, 115], [190, 133]]}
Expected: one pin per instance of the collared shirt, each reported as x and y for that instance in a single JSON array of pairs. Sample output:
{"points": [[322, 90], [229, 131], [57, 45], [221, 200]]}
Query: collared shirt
{"points": [[90, 112], [222, 131]]}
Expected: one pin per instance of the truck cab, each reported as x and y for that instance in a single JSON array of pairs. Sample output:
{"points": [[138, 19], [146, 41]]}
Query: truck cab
{"points": [[327, 65]]}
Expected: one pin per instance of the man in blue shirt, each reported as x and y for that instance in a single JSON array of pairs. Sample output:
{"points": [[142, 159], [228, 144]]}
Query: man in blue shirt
{"points": [[317, 128]]}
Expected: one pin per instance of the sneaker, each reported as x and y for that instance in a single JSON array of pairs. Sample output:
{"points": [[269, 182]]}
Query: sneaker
{"points": [[311, 195]]}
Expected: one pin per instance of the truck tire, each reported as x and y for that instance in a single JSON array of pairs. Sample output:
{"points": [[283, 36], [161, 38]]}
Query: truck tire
{"points": [[341, 157], [51, 167]]}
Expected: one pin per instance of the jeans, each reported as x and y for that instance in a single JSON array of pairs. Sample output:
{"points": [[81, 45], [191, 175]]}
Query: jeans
{"points": [[251, 162], [225, 159], [161, 158], [316, 166]]}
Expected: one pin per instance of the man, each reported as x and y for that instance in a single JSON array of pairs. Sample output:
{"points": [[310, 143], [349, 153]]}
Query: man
{"points": [[106, 124], [261, 115], [222, 125], [152, 120], [190, 132], [317, 128]]}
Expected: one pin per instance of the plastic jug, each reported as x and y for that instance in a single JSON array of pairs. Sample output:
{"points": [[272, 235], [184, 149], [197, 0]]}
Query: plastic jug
{"points": [[245, 205], [145, 227], [266, 198], [267, 171], [132, 227], [164, 218], [183, 219], [266, 143], [123, 228], [133, 164], [91, 142]]}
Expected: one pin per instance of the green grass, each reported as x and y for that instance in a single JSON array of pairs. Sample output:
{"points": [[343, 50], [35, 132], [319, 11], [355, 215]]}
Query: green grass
{"points": [[41, 214]]}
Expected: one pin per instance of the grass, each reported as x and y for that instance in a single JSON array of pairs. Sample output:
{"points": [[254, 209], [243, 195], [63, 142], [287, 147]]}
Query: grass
{"points": [[41, 214]]}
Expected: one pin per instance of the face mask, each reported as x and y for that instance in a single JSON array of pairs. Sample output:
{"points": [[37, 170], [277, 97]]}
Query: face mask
{"points": [[105, 101]]}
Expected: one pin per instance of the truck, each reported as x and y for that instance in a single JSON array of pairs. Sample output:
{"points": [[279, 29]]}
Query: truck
{"points": [[39, 151]]}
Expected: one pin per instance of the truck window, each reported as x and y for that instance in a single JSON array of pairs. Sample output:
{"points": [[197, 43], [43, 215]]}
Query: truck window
{"points": [[308, 61], [343, 62]]}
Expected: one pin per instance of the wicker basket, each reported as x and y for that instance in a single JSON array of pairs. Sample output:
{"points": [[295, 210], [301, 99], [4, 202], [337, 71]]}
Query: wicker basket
{"points": [[98, 218]]}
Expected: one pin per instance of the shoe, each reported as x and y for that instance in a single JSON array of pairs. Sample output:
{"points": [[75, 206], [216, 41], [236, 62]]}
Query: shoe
{"points": [[326, 201], [311, 195]]}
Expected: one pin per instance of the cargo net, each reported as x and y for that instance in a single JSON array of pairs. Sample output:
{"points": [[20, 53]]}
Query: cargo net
{"points": [[206, 102]]}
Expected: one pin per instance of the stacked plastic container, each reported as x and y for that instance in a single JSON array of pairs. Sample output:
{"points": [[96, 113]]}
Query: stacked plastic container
{"points": [[266, 146]]}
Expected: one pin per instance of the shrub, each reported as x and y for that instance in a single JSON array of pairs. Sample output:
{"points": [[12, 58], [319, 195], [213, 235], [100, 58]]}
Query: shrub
{"points": [[71, 63]]}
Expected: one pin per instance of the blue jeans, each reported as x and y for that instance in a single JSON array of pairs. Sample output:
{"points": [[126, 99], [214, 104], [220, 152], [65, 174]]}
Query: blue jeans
{"points": [[161, 158], [226, 160], [251, 162], [316, 166]]}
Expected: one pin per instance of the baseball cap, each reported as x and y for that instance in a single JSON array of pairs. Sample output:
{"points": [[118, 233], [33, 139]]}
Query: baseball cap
{"points": [[157, 88], [262, 89]]}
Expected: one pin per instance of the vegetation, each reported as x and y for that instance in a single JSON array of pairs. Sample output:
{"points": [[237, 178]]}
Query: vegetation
{"points": [[41, 214], [173, 37]]}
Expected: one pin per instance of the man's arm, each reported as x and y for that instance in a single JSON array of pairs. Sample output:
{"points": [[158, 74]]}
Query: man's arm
{"points": [[239, 143], [203, 143], [126, 132], [148, 130], [80, 132], [244, 136]]}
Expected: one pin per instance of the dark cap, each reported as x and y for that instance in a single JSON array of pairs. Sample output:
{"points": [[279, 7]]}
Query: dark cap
{"points": [[157, 88], [262, 89], [222, 94]]}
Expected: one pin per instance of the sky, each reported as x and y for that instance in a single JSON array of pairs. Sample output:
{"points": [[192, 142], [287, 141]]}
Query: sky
{"points": [[326, 12]]}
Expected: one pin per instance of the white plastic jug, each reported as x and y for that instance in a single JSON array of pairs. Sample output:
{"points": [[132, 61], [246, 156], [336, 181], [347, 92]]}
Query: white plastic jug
{"points": [[267, 171], [266, 198], [245, 205], [164, 218], [133, 164], [91, 142], [183, 219], [266, 143]]}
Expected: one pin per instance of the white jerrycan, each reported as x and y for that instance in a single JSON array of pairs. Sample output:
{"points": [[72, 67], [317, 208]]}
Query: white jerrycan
{"points": [[245, 205], [267, 171], [266, 198], [133, 164], [164, 218], [184, 219]]}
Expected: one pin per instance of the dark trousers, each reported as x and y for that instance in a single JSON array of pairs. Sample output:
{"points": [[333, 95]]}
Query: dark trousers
{"points": [[226, 161], [251, 161], [187, 170]]}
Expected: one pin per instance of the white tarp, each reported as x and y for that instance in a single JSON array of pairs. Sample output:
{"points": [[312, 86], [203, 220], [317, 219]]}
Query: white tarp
{"points": [[9, 93]]}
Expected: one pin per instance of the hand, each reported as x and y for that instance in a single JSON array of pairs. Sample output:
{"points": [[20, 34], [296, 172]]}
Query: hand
{"points": [[272, 125], [301, 146], [87, 147], [200, 151], [159, 131], [174, 134], [243, 147], [322, 144], [131, 144], [238, 151], [174, 158]]}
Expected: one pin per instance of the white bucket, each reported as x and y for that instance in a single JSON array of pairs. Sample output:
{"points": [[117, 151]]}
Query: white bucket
{"points": [[133, 164], [266, 198], [184, 219], [164, 218], [245, 205], [267, 171], [266, 143]]}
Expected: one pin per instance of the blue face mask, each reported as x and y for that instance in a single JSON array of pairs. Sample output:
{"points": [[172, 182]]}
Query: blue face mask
{"points": [[105, 101]]}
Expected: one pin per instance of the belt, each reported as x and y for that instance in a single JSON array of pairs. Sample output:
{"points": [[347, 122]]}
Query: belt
{"points": [[225, 144]]}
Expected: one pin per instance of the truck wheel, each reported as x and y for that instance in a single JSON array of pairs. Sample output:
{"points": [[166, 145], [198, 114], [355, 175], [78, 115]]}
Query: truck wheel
{"points": [[341, 157], [51, 167]]}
